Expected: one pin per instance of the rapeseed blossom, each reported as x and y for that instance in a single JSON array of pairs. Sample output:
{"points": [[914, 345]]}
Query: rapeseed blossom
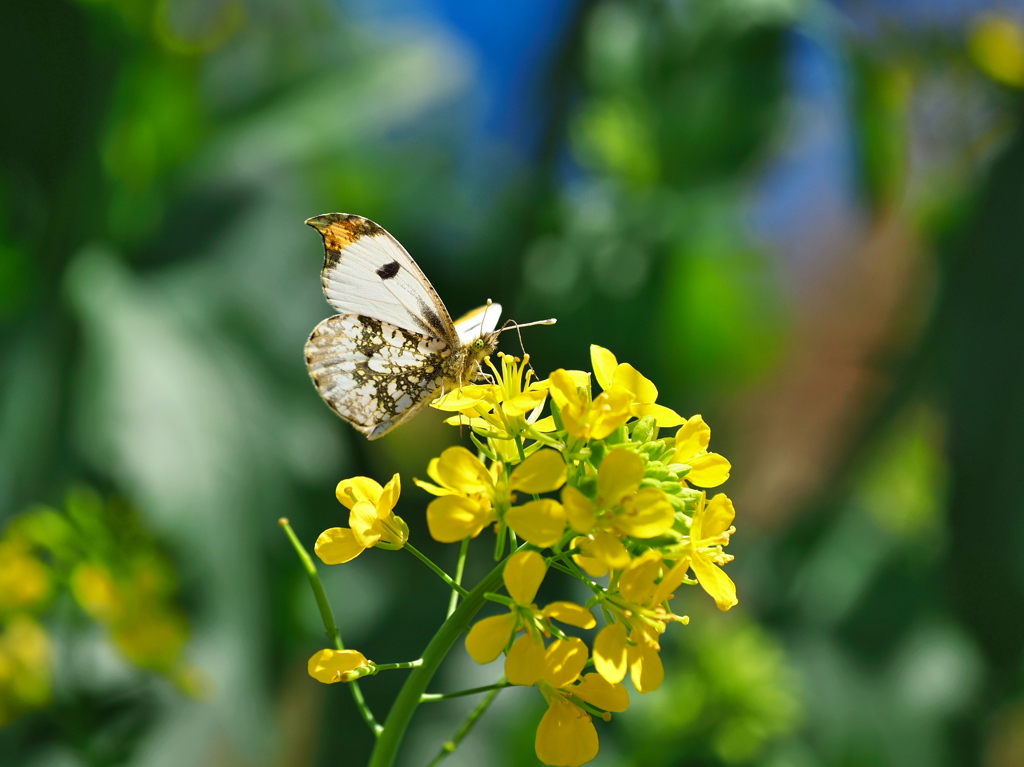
{"points": [[371, 520], [600, 489]]}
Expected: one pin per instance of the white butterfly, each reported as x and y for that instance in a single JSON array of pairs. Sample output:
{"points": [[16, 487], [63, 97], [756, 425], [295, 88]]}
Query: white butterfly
{"points": [[393, 347]]}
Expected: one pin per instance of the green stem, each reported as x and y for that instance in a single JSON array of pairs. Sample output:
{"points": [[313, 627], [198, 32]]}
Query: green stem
{"points": [[477, 712], [459, 570], [440, 573], [328, 619], [392, 666], [416, 684], [431, 697]]}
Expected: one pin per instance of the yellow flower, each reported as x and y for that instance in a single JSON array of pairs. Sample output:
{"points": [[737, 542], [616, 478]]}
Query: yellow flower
{"points": [[566, 734], [996, 43], [702, 549], [95, 590], [600, 552], [24, 580], [471, 496], [26, 657], [614, 375], [523, 574], [330, 666], [705, 469], [151, 637], [370, 518], [641, 615], [502, 410], [584, 417], [622, 506]]}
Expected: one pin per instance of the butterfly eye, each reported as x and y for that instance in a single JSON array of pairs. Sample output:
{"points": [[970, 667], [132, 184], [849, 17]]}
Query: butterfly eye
{"points": [[479, 344]]}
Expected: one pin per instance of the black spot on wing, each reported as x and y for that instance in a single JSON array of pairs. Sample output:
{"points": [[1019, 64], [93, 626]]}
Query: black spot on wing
{"points": [[388, 271]]}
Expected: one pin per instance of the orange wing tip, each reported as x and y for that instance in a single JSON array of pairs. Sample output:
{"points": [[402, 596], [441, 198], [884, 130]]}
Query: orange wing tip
{"points": [[344, 227]]}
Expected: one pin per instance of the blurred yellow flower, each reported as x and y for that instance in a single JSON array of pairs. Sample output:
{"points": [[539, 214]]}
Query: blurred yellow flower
{"points": [[26, 657], [370, 518], [330, 666], [25, 581], [705, 469], [996, 44], [612, 374], [622, 506], [566, 735], [95, 590]]}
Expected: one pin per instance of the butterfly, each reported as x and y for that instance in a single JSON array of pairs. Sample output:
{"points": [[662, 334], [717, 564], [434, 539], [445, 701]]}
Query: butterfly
{"points": [[393, 347]]}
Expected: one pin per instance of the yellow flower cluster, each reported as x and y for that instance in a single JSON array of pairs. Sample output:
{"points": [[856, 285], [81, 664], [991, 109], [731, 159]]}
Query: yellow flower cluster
{"points": [[115, 574], [591, 490]]}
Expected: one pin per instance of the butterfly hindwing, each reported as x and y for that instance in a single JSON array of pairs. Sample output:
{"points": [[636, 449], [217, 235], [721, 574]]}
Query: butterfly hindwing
{"points": [[480, 322], [373, 374], [367, 272]]}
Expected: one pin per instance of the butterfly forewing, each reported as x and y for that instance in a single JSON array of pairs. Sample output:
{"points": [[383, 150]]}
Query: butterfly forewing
{"points": [[366, 271]]}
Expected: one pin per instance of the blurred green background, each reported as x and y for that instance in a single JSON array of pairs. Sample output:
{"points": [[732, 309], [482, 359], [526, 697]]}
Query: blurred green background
{"points": [[804, 220]]}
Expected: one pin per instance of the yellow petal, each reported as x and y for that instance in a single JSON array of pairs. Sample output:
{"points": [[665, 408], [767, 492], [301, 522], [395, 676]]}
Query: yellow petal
{"points": [[598, 691], [365, 524], [523, 574], [564, 389], [618, 477], [524, 663], [542, 522], [714, 519], [465, 397], [545, 425], [670, 582], [542, 472], [604, 364], [459, 469], [453, 518], [637, 582], [337, 545], [713, 580], [489, 637], [524, 403], [593, 566], [665, 417], [566, 736], [648, 514], [351, 491], [609, 549], [389, 496], [630, 379], [610, 652], [564, 661], [609, 410], [431, 488], [571, 614], [327, 666], [645, 667], [708, 470], [693, 438], [578, 510]]}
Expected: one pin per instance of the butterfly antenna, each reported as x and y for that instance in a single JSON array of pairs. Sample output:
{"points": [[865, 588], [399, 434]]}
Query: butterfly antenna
{"points": [[512, 325]]}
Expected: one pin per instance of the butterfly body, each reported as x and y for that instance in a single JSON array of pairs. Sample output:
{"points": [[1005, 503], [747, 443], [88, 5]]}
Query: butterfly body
{"points": [[393, 347]]}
